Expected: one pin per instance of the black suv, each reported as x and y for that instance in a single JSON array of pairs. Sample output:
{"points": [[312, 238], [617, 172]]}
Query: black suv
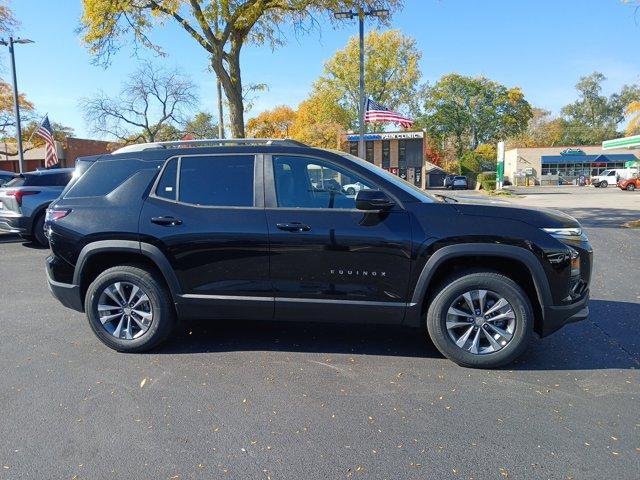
{"points": [[264, 230]]}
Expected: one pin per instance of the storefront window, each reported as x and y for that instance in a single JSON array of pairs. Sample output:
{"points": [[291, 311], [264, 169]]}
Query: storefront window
{"points": [[369, 152], [353, 148], [386, 154], [402, 153]]}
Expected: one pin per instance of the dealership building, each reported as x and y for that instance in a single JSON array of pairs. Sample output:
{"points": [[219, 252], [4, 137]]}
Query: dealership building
{"points": [[556, 165], [401, 153]]}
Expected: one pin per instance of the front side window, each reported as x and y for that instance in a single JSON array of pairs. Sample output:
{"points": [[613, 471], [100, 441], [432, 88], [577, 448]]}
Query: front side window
{"points": [[303, 182], [224, 180]]}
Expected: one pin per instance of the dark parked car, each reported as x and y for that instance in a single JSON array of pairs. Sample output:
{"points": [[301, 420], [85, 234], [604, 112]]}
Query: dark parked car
{"points": [[5, 177], [25, 198], [230, 229]]}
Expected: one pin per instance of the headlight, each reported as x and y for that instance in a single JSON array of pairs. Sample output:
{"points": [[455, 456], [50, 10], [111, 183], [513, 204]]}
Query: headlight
{"points": [[564, 232]]}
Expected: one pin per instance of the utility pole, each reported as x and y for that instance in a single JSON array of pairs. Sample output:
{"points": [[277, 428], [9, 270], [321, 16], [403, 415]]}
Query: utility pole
{"points": [[16, 98]]}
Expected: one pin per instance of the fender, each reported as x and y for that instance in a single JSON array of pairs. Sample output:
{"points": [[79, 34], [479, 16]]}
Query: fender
{"points": [[150, 251], [526, 257]]}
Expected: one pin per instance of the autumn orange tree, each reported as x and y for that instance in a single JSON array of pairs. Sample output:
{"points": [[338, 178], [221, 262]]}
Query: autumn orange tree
{"points": [[275, 123], [219, 27]]}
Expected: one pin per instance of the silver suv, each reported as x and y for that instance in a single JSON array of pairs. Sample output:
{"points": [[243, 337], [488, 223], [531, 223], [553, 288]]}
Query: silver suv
{"points": [[24, 201]]}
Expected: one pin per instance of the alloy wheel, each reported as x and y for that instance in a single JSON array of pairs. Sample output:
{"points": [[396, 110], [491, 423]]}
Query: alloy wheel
{"points": [[125, 310], [481, 322]]}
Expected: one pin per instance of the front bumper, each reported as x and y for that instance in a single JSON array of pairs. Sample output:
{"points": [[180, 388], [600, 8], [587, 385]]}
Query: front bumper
{"points": [[12, 223], [556, 317], [66, 293]]}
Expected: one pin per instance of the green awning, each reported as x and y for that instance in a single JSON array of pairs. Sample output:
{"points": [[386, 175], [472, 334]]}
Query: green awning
{"points": [[624, 142]]}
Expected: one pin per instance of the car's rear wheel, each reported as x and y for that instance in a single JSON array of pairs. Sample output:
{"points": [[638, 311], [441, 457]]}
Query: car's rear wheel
{"points": [[480, 319], [631, 187], [129, 309], [38, 231]]}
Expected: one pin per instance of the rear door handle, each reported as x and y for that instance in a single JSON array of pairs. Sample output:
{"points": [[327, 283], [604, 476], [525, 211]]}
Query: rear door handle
{"points": [[293, 227], [166, 221]]}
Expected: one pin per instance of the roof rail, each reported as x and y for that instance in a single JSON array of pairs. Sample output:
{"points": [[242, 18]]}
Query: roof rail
{"points": [[211, 142]]}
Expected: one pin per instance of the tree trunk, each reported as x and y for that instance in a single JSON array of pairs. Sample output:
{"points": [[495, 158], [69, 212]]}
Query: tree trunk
{"points": [[232, 85]]}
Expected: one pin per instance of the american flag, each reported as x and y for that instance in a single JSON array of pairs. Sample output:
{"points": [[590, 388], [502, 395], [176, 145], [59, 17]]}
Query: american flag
{"points": [[376, 112], [46, 132]]}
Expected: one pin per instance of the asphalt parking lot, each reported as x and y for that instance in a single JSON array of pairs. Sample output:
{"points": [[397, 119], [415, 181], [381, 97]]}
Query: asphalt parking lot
{"points": [[269, 401]]}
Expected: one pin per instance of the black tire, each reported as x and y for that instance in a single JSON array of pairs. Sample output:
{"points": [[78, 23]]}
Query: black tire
{"points": [[604, 184], [631, 187], [38, 231], [164, 316], [455, 286], [351, 191]]}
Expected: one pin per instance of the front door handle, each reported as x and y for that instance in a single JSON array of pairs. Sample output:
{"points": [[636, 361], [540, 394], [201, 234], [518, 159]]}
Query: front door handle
{"points": [[166, 221], [293, 227]]}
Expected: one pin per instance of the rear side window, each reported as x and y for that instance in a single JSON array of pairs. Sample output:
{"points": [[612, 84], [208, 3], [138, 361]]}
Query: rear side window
{"points": [[225, 180], [103, 177], [168, 182]]}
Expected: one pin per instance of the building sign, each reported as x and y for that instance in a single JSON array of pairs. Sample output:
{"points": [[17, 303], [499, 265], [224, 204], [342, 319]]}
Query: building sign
{"points": [[386, 136], [572, 151]]}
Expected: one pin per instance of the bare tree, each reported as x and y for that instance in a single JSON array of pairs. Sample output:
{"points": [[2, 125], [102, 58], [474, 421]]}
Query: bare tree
{"points": [[149, 101]]}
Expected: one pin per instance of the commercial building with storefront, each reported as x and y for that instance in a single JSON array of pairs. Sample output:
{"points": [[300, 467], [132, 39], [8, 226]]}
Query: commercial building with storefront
{"points": [[559, 165], [401, 153]]}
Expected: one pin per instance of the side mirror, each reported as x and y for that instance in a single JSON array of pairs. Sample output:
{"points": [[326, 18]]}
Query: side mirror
{"points": [[373, 200]]}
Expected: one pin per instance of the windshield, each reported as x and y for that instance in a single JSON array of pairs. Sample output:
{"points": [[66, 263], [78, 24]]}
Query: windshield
{"points": [[411, 189], [605, 173]]}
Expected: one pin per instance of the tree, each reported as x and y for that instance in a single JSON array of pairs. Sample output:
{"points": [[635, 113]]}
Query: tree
{"points": [[543, 130], [275, 123], [7, 20], [470, 111], [8, 120], [391, 69], [220, 27], [149, 100], [201, 126], [320, 120], [633, 110], [594, 117]]}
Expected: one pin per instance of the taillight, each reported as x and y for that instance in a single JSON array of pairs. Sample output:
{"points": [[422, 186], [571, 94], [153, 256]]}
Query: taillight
{"points": [[54, 214], [18, 194]]}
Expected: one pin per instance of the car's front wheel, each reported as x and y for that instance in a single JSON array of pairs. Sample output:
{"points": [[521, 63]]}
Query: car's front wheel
{"points": [[480, 319], [129, 309], [604, 184], [631, 187]]}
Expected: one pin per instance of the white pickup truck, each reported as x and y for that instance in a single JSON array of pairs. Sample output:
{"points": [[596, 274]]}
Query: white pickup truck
{"points": [[612, 177]]}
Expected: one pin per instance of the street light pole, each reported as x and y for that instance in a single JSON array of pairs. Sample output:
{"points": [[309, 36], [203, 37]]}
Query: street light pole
{"points": [[16, 98], [361, 152], [361, 14]]}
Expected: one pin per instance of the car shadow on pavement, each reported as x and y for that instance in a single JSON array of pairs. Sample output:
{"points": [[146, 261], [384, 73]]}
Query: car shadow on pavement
{"points": [[239, 335], [603, 217], [588, 345], [9, 238]]}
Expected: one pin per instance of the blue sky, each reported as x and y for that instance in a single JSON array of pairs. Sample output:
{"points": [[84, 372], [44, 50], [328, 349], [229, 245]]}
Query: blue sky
{"points": [[542, 46]]}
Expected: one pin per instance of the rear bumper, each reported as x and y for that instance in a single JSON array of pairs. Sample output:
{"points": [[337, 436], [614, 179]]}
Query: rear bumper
{"points": [[66, 293], [14, 224], [557, 317]]}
